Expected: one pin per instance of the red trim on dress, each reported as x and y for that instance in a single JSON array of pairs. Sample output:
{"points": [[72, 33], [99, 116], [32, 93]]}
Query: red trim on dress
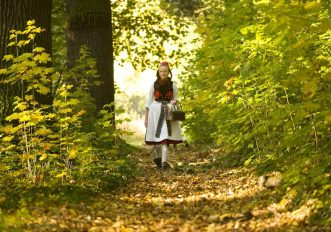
{"points": [[165, 141], [169, 95], [157, 94]]}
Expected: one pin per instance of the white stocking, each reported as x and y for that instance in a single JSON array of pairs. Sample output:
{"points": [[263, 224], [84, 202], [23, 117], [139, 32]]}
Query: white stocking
{"points": [[158, 151], [164, 152]]}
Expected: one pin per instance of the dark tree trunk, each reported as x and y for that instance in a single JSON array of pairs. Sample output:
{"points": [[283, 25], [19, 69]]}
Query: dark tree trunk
{"points": [[89, 23], [13, 15]]}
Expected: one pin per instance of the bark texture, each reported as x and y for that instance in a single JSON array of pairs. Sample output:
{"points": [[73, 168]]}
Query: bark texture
{"points": [[89, 23], [13, 15]]}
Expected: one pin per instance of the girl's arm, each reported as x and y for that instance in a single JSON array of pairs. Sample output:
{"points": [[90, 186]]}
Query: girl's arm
{"points": [[149, 101]]}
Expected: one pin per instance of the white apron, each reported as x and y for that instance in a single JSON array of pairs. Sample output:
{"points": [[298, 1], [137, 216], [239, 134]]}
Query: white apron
{"points": [[153, 119]]}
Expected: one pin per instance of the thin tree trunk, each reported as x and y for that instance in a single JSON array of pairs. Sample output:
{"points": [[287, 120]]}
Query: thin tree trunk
{"points": [[89, 23]]}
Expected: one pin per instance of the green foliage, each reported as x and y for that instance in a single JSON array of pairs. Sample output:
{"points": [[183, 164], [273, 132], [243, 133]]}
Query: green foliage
{"points": [[58, 34], [19, 41], [143, 33], [25, 136], [182, 7], [263, 88], [67, 142]]}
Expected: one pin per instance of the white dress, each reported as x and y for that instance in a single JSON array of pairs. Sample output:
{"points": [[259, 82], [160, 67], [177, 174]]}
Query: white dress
{"points": [[153, 118]]}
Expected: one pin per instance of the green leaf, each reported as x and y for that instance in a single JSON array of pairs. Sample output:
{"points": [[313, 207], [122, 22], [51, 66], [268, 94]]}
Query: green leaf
{"points": [[62, 174], [8, 57], [13, 116], [42, 58], [21, 43], [3, 71], [39, 49], [12, 36], [38, 30], [21, 106], [11, 44], [43, 89], [8, 138], [25, 118], [31, 36], [43, 156], [30, 22]]}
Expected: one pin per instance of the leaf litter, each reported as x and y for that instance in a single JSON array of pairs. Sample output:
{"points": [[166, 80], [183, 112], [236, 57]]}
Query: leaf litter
{"points": [[191, 196]]}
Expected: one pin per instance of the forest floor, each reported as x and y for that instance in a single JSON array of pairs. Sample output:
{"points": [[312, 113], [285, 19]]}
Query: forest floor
{"points": [[191, 196]]}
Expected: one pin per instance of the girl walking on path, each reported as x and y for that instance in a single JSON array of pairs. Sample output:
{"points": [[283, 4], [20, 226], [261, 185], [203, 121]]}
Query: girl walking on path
{"points": [[159, 131]]}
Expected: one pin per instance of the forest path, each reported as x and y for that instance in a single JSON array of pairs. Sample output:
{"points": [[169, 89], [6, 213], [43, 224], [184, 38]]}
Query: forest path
{"points": [[194, 196], [191, 196]]}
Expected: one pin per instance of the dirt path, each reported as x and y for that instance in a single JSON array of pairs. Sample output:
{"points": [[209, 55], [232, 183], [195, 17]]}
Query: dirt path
{"points": [[194, 197], [191, 196]]}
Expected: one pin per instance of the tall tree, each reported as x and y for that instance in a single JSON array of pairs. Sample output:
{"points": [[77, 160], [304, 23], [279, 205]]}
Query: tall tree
{"points": [[144, 32], [13, 15], [141, 30], [89, 23]]}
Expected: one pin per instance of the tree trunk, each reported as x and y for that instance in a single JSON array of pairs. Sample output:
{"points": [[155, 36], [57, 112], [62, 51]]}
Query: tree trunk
{"points": [[13, 15], [89, 23]]}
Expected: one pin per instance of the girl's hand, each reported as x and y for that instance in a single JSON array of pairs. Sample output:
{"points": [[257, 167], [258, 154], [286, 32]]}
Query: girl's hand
{"points": [[146, 122], [174, 102]]}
